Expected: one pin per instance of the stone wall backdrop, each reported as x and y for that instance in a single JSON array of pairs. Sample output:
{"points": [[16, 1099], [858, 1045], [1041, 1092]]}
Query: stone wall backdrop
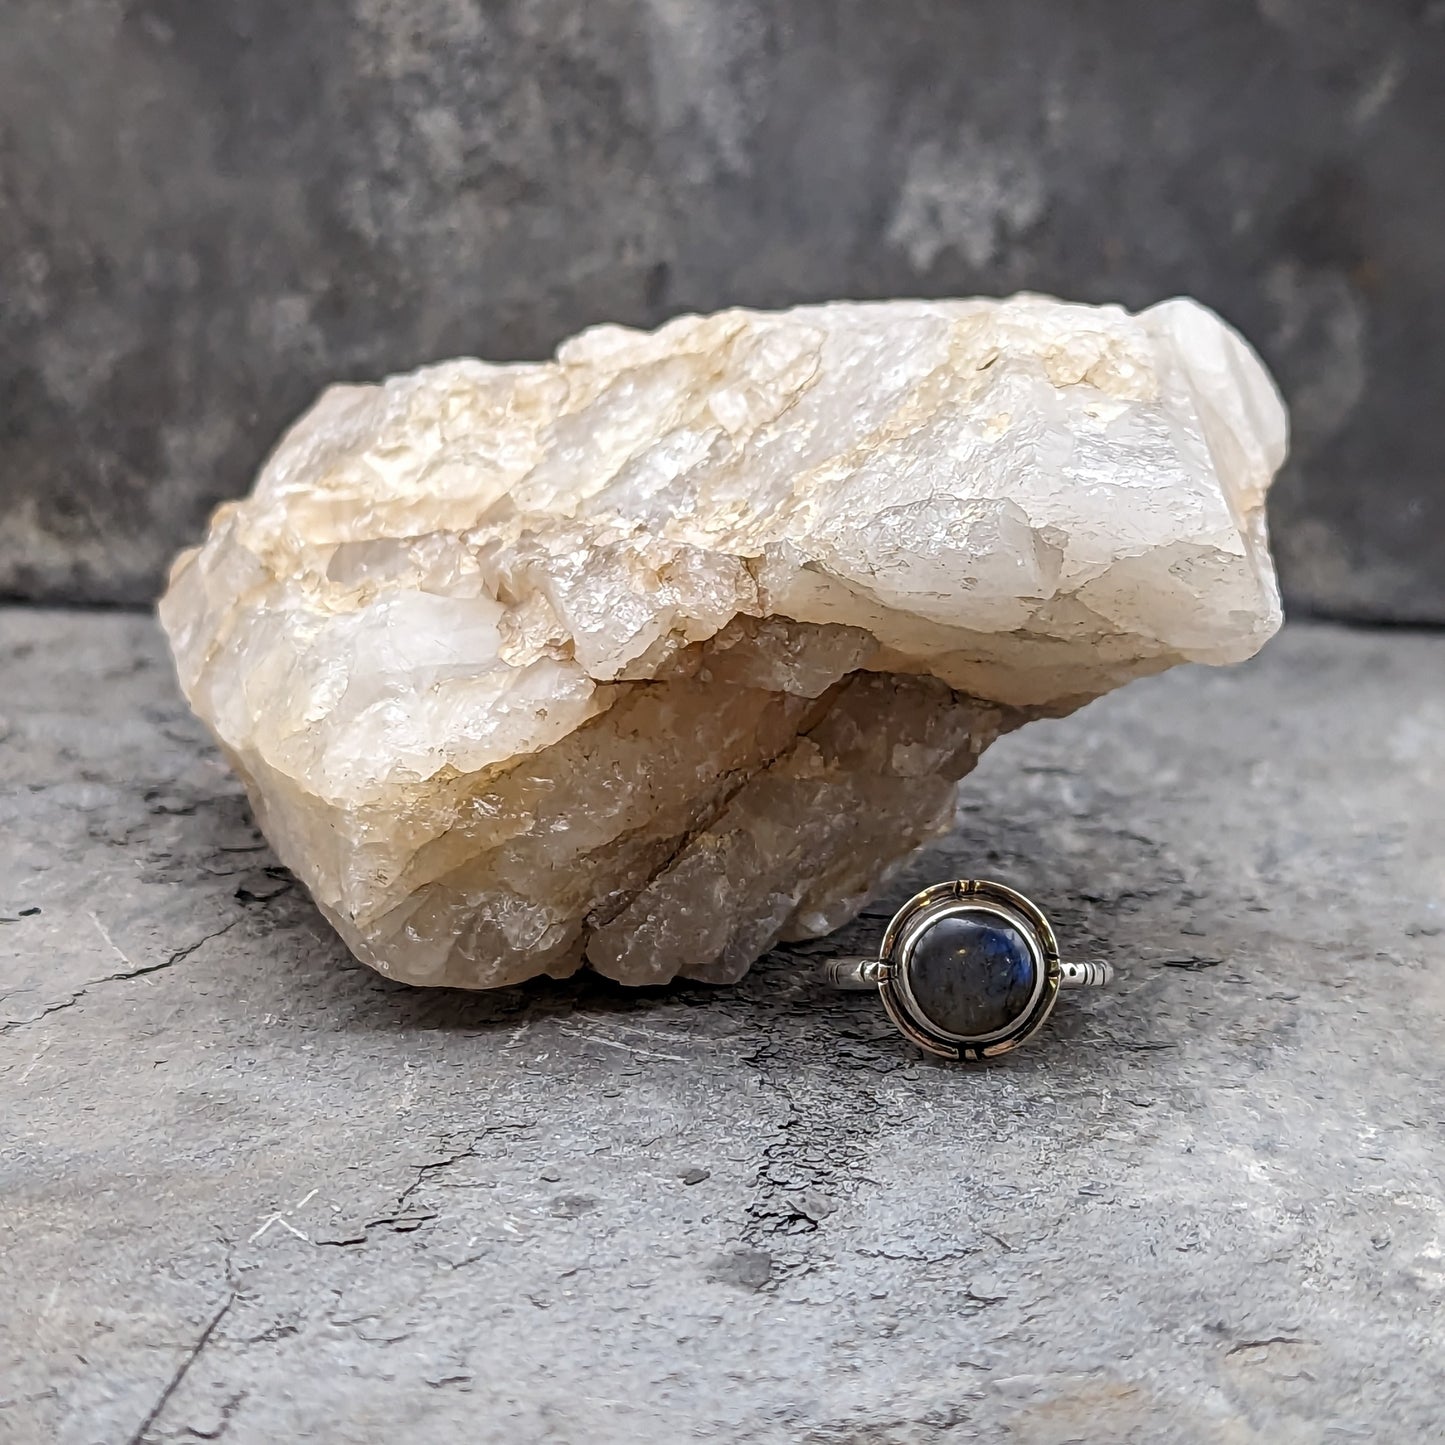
{"points": [[207, 211]]}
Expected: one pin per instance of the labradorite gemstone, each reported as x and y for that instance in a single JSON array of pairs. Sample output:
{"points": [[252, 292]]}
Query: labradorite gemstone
{"points": [[972, 974]]}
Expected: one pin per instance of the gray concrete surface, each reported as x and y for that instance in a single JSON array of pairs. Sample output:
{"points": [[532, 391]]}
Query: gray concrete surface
{"points": [[251, 1191], [209, 211]]}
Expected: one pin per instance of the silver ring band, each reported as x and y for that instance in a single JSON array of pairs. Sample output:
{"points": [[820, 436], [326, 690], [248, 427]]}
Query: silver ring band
{"points": [[1095, 974], [855, 974], [859, 974]]}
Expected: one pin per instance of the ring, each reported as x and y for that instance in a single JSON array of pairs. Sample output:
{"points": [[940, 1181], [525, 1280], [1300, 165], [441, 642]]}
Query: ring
{"points": [[968, 970]]}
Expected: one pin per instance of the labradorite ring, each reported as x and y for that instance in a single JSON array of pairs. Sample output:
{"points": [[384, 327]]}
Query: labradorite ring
{"points": [[968, 970]]}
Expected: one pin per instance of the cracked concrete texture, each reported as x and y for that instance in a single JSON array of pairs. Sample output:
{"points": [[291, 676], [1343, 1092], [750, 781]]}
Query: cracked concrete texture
{"points": [[254, 1192]]}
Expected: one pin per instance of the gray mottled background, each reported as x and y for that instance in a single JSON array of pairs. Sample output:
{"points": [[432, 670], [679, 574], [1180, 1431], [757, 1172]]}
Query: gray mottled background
{"points": [[207, 211]]}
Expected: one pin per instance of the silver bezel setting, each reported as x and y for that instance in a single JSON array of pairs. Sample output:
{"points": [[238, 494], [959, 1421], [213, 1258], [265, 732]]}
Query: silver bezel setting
{"points": [[960, 899]]}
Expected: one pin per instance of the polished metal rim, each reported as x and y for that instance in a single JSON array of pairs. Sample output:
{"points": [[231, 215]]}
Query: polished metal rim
{"points": [[889, 969]]}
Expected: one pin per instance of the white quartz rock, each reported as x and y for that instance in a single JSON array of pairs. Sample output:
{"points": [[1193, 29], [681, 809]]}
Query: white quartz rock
{"points": [[663, 651]]}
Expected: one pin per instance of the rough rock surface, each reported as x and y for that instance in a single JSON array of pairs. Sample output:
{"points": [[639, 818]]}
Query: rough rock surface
{"points": [[666, 650]]}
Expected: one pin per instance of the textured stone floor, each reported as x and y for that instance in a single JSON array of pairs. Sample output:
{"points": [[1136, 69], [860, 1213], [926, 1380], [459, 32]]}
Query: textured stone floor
{"points": [[250, 1191]]}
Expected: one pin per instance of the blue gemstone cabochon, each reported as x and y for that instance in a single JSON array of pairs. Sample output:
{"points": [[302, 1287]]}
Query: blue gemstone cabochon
{"points": [[972, 974]]}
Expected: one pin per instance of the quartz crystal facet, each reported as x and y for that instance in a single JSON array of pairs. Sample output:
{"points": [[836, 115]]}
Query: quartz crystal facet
{"points": [[657, 653]]}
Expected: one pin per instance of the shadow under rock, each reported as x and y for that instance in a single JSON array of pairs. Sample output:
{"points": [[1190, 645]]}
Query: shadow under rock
{"points": [[780, 985], [782, 1006], [782, 1012]]}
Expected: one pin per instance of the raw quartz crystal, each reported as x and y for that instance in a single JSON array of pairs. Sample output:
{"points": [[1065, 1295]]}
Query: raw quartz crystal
{"points": [[658, 653]]}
